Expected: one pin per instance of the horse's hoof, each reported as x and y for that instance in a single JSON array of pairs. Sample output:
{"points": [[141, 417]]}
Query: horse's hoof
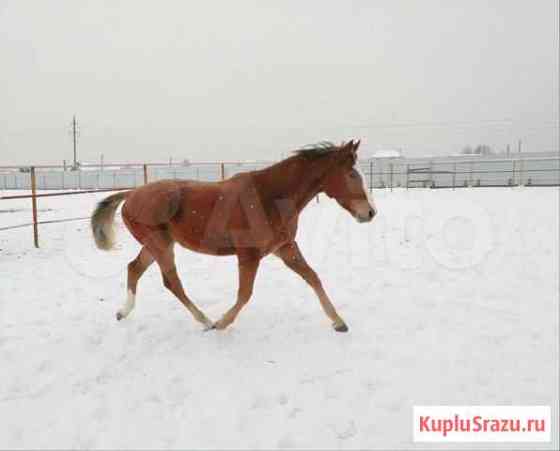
{"points": [[342, 327], [208, 327], [218, 325], [119, 316]]}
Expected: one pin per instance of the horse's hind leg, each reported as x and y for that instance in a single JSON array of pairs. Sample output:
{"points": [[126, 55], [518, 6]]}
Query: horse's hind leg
{"points": [[136, 268], [160, 246]]}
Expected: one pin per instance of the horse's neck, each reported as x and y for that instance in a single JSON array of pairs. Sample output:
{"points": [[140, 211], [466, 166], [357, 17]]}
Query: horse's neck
{"points": [[297, 181]]}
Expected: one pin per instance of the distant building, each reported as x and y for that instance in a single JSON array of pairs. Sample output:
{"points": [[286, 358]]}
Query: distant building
{"points": [[527, 155], [502, 156], [382, 154]]}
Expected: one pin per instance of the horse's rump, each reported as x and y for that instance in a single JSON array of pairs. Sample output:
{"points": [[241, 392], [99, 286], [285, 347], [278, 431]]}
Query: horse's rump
{"points": [[154, 204]]}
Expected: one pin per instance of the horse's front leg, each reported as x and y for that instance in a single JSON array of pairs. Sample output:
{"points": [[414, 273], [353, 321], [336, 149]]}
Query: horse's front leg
{"points": [[248, 264], [291, 256]]}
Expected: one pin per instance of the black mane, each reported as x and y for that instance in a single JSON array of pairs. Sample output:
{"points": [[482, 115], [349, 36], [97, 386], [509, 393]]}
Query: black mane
{"points": [[314, 151]]}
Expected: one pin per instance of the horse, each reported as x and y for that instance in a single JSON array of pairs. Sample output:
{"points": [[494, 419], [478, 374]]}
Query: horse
{"points": [[250, 215]]}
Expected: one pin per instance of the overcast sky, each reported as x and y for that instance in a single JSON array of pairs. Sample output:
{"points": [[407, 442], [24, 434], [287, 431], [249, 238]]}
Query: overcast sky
{"points": [[231, 80]]}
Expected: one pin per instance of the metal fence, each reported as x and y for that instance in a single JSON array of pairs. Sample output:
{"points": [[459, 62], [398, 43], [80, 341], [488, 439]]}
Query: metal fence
{"points": [[380, 173], [457, 173], [131, 175]]}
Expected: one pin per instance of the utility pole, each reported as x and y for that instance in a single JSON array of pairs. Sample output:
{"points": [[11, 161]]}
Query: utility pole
{"points": [[74, 139]]}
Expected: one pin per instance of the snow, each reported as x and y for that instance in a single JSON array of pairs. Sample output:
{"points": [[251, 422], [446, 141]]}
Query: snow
{"points": [[451, 298]]}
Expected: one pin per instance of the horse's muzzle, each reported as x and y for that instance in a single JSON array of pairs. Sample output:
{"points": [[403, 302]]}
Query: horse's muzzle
{"points": [[368, 217]]}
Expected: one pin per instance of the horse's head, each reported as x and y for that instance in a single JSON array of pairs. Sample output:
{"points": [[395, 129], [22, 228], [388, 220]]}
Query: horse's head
{"points": [[346, 184]]}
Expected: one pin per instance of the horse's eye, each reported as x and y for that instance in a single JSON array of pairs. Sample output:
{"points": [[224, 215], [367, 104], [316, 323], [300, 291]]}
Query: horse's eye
{"points": [[354, 174]]}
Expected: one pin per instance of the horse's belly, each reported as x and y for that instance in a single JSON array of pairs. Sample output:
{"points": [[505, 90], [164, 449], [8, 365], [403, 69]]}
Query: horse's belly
{"points": [[202, 241], [209, 250]]}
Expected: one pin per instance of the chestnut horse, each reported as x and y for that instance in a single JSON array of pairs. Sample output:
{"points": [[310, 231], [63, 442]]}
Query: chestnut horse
{"points": [[250, 215]]}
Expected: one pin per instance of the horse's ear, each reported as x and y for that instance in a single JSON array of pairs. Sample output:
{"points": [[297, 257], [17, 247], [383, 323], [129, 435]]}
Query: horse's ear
{"points": [[348, 145], [356, 145], [348, 153]]}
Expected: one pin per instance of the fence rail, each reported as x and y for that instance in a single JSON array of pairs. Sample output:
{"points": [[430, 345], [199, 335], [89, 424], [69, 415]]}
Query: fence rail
{"points": [[381, 173], [455, 174]]}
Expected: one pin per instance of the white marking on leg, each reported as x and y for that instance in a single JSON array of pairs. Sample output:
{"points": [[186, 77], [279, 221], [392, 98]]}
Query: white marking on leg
{"points": [[129, 304]]}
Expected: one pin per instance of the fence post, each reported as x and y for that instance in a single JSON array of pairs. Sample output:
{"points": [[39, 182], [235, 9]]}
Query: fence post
{"points": [[407, 172], [471, 175], [145, 174], [513, 173], [431, 174], [222, 171], [454, 173], [34, 206], [521, 167], [391, 176], [370, 176]]}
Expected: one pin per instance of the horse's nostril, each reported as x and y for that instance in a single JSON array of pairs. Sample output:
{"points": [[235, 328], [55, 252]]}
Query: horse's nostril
{"points": [[371, 213]]}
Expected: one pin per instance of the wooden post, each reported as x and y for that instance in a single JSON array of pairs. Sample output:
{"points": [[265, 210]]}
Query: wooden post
{"points": [[34, 206], [431, 174], [391, 177], [454, 173], [222, 171], [407, 172], [145, 174], [513, 173]]}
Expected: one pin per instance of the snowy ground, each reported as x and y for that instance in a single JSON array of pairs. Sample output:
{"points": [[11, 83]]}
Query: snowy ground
{"points": [[451, 298]]}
